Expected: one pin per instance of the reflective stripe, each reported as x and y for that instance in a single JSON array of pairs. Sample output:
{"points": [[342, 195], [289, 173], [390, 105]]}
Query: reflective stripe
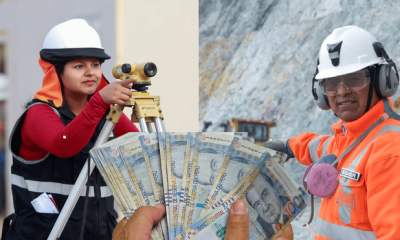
{"points": [[313, 147], [345, 211], [338, 232], [325, 146], [52, 187]]}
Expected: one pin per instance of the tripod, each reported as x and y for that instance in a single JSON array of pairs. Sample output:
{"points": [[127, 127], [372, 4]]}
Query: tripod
{"points": [[146, 109]]}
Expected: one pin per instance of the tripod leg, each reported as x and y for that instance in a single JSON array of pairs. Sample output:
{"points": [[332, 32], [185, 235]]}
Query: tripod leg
{"points": [[79, 185], [157, 123], [163, 126], [149, 127], [143, 126]]}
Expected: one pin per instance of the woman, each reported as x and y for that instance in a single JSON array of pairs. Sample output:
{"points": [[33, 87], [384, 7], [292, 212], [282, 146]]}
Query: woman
{"points": [[51, 140]]}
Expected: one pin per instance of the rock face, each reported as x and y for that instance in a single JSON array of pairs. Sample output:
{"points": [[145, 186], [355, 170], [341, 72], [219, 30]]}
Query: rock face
{"points": [[258, 57]]}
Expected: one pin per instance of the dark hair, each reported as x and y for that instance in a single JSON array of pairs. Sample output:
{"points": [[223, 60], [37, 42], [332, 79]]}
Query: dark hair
{"points": [[59, 66], [267, 178]]}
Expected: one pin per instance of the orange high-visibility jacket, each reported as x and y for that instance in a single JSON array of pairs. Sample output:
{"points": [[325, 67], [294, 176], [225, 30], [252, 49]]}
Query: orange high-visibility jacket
{"points": [[368, 208]]}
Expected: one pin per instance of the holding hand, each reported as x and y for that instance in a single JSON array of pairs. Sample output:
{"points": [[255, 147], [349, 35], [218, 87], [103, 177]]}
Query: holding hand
{"points": [[280, 145], [144, 219], [140, 224], [117, 92]]}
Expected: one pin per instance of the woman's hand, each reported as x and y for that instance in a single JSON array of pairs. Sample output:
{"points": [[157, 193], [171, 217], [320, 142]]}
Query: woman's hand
{"points": [[117, 92]]}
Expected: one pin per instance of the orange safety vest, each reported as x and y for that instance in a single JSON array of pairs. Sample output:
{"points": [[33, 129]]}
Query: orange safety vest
{"points": [[368, 207]]}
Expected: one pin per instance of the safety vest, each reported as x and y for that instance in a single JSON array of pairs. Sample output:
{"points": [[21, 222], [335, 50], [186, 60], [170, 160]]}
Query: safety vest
{"points": [[354, 211], [57, 176]]}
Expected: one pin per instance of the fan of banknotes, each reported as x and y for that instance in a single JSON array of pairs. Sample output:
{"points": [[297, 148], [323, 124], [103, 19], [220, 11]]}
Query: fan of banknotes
{"points": [[198, 176]]}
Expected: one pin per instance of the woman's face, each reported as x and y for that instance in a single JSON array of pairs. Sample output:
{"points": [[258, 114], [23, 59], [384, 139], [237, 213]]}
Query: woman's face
{"points": [[81, 76]]}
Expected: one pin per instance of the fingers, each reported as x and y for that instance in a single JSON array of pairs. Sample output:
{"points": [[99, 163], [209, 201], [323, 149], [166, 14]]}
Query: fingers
{"points": [[117, 92], [237, 226], [128, 82], [140, 224]]}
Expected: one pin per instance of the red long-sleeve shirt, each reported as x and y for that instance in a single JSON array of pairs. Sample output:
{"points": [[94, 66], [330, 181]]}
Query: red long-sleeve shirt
{"points": [[43, 131]]}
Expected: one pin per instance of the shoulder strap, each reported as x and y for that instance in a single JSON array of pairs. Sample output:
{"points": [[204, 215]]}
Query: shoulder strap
{"points": [[14, 144]]}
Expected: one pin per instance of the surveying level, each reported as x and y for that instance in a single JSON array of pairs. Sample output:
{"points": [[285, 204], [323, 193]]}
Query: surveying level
{"points": [[142, 71], [146, 109]]}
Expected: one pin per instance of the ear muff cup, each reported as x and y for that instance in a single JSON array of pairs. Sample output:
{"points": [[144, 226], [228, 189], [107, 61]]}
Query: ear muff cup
{"points": [[321, 99], [386, 82], [321, 180]]}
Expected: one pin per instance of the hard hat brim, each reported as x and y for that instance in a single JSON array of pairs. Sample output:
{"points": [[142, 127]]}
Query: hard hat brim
{"points": [[342, 70], [67, 54]]}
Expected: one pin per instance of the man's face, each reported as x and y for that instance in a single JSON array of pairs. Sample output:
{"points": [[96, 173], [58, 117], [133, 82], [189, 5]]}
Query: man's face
{"points": [[156, 165], [349, 105], [235, 172], [210, 164], [178, 156], [265, 200]]}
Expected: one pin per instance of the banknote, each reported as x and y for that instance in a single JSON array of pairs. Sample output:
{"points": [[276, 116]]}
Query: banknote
{"points": [[273, 200], [241, 159], [110, 183], [218, 216], [135, 163], [163, 160], [208, 157], [111, 157], [184, 196], [151, 155], [176, 144]]}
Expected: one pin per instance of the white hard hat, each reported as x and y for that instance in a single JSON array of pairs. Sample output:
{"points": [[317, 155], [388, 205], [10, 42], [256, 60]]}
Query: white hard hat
{"points": [[72, 39], [346, 50]]}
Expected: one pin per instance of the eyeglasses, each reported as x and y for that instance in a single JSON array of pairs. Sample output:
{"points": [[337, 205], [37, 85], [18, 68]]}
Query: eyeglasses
{"points": [[352, 82]]}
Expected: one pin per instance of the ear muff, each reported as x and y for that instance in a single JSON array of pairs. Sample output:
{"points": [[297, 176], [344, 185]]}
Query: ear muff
{"points": [[321, 178], [319, 97], [386, 80]]}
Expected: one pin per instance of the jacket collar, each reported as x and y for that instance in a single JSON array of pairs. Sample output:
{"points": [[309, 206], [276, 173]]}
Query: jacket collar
{"points": [[357, 127]]}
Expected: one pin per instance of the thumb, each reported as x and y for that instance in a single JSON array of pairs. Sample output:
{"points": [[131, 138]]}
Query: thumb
{"points": [[141, 223], [237, 226]]}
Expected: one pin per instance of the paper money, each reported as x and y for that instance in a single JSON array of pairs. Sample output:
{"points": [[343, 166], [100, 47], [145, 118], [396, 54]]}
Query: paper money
{"points": [[242, 158], [112, 159], [151, 155], [163, 159], [218, 216], [184, 196], [134, 160], [195, 175], [273, 203], [110, 183], [176, 144], [208, 157]]}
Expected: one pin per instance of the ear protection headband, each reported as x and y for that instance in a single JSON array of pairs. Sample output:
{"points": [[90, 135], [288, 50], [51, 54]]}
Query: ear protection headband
{"points": [[319, 97], [386, 77]]}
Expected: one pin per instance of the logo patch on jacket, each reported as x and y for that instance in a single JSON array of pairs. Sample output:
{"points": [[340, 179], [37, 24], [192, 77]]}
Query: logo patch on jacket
{"points": [[350, 174], [346, 199]]}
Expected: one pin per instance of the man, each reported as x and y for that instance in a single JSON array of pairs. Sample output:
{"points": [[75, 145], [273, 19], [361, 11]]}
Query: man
{"points": [[354, 78], [268, 204]]}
